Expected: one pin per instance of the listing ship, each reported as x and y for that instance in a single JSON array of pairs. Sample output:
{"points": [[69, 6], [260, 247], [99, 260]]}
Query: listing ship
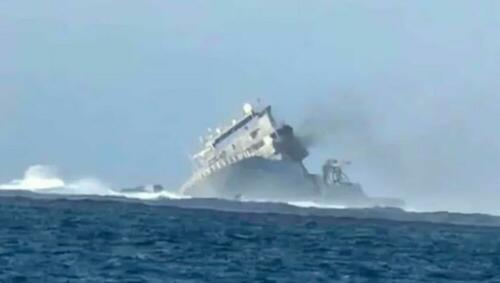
{"points": [[258, 158]]}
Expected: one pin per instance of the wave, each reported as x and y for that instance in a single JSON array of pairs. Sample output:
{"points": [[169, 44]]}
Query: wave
{"points": [[44, 182], [37, 177], [311, 204], [46, 179]]}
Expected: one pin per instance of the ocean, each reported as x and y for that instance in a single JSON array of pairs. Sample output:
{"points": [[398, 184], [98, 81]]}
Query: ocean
{"points": [[86, 240]]}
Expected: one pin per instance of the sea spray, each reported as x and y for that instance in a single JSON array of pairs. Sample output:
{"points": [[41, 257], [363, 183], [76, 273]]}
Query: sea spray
{"points": [[36, 177], [46, 179]]}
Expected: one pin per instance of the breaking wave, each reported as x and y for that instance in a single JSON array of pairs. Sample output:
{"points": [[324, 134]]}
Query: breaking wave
{"points": [[311, 204], [37, 177], [46, 179]]}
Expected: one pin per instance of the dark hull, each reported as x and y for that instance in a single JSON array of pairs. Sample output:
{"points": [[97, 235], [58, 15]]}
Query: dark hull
{"points": [[283, 181]]}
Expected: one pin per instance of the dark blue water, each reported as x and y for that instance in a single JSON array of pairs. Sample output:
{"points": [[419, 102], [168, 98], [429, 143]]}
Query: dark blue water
{"points": [[97, 241]]}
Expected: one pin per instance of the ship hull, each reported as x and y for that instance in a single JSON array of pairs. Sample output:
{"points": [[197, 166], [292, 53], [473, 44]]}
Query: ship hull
{"points": [[277, 180]]}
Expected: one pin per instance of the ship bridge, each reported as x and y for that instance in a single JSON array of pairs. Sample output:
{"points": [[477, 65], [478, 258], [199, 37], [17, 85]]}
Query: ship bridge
{"points": [[256, 134]]}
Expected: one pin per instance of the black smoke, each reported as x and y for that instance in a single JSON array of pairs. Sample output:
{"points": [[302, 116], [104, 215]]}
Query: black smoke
{"points": [[440, 152]]}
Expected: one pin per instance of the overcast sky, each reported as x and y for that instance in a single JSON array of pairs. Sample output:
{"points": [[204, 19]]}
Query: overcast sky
{"points": [[121, 90]]}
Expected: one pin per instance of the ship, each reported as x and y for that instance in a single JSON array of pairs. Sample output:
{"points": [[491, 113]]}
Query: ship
{"points": [[257, 158]]}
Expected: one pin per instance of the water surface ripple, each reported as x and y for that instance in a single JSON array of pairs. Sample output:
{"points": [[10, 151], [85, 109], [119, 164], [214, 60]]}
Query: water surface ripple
{"points": [[92, 241]]}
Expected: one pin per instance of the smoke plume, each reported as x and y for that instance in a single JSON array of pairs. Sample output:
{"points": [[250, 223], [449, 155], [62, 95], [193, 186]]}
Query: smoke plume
{"points": [[437, 152]]}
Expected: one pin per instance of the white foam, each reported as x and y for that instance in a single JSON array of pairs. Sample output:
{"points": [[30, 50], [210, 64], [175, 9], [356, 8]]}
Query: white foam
{"points": [[37, 177], [305, 204], [45, 179], [311, 204], [152, 195], [88, 186]]}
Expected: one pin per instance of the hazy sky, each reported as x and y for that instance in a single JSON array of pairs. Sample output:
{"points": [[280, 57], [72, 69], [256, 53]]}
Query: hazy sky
{"points": [[121, 90]]}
